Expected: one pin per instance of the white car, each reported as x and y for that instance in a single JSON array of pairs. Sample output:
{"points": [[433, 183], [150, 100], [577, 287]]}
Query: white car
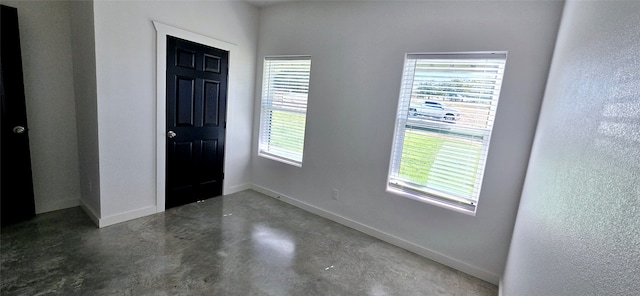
{"points": [[435, 110]]}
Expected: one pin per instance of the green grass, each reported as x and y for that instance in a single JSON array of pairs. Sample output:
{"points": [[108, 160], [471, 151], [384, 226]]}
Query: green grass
{"points": [[285, 127], [416, 166], [420, 164]]}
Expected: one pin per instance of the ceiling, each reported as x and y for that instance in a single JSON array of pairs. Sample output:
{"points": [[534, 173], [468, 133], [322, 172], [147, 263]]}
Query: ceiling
{"points": [[265, 3]]}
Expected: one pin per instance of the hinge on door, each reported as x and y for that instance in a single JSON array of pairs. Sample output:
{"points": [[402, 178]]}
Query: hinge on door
{"points": [[222, 176], [225, 124]]}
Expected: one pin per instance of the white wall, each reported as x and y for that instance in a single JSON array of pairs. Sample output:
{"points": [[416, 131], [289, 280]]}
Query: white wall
{"points": [[357, 52], [84, 75], [578, 226], [125, 68], [48, 80]]}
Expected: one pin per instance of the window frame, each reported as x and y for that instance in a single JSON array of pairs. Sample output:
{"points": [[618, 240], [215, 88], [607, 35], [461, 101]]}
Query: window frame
{"points": [[263, 150], [422, 193]]}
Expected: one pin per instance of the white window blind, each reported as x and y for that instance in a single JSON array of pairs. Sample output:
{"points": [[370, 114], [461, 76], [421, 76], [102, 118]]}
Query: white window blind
{"points": [[446, 110], [285, 89]]}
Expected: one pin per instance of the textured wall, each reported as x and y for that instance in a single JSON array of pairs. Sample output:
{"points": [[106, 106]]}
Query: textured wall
{"points": [[357, 51], [578, 226]]}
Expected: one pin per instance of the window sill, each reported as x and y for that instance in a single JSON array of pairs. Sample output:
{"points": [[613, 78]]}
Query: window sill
{"points": [[280, 159], [433, 200]]}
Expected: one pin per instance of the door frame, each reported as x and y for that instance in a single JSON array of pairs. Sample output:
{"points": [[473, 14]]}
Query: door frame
{"points": [[162, 31]]}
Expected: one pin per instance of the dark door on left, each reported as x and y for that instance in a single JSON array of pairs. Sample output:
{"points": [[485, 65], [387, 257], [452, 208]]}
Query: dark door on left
{"points": [[17, 186], [196, 119]]}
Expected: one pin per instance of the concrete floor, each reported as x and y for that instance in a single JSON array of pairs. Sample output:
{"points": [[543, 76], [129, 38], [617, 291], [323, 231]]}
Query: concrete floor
{"points": [[242, 244]]}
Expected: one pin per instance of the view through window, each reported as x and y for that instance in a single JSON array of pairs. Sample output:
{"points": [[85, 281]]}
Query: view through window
{"points": [[446, 111], [283, 113]]}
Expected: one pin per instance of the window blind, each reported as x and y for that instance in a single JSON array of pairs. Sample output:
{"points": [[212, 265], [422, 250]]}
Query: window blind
{"points": [[285, 90], [445, 116]]}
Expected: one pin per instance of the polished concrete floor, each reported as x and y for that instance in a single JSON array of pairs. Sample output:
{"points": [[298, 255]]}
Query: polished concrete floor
{"points": [[241, 244]]}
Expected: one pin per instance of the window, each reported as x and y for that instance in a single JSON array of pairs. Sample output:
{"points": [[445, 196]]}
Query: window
{"points": [[283, 111], [446, 110]]}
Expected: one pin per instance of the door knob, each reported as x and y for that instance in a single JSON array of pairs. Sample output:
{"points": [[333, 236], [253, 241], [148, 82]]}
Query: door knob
{"points": [[171, 134], [19, 129]]}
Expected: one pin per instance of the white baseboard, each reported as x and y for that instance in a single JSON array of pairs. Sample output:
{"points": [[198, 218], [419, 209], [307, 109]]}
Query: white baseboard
{"points": [[90, 212], [126, 216], [54, 205], [134, 214], [236, 188], [409, 246], [110, 220]]}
